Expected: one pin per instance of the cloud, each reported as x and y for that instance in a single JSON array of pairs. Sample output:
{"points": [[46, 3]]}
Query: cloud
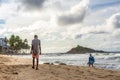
{"points": [[0, 2], [75, 15], [97, 31], [105, 34], [78, 36], [114, 21], [109, 27], [8, 10], [32, 4]]}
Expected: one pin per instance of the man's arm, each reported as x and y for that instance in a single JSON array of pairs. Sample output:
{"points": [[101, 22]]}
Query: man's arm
{"points": [[31, 49], [93, 59], [40, 47], [40, 50]]}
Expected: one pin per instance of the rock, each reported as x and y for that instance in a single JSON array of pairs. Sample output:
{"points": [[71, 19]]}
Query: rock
{"points": [[62, 64], [49, 63], [46, 63], [15, 73], [81, 50]]}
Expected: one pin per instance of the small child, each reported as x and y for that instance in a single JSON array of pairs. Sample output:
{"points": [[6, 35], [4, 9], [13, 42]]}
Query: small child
{"points": [[91, 60]]}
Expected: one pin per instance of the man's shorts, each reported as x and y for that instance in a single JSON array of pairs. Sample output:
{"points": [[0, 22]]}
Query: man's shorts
{"points": [[91, 62], [35, 55]]}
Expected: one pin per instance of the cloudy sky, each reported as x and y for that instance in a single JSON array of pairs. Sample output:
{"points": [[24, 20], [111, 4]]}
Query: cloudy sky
{"points": [[63, 24]]}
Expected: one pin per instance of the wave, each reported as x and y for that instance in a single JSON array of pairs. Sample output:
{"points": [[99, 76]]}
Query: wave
{"points": [[109, 61]]}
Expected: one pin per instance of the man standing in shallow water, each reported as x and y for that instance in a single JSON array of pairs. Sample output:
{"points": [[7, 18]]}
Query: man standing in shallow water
{"points": [[35, 51]]}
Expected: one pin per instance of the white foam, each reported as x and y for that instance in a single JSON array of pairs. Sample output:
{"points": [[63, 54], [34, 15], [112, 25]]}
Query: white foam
{"points": [[108, 61]]}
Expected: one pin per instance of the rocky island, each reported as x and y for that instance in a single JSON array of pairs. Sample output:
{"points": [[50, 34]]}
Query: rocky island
{"points": [[81, 49]]}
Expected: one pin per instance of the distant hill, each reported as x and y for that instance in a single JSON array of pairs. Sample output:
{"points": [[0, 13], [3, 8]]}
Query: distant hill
{"points": [[81, 49]]}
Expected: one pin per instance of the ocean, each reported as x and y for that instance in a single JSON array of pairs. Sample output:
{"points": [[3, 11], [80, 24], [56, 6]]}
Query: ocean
{"points": [[102, 60]]}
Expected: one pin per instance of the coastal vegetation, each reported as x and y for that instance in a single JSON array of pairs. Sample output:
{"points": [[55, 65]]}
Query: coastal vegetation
{"points": [[15, 44]]}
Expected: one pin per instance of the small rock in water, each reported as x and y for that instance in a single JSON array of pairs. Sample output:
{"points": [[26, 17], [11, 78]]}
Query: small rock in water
{"points": [[52, 64], [47, 63], [62, 64]]}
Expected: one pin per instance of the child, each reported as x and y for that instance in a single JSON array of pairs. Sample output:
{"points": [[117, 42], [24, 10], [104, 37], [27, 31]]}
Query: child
{"points": [[91, 60]]}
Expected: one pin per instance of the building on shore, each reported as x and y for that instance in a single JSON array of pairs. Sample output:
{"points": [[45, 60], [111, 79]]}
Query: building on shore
{"points": [[3, 43]]}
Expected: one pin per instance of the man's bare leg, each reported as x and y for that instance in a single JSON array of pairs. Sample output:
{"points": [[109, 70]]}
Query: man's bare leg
{"points": [[92, 65], [89, 64], [33, 63], [37, 64]]}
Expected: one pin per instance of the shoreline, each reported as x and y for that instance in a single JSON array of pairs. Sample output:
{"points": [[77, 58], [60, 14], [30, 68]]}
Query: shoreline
{"points": [[14, 68], [53, 63]]}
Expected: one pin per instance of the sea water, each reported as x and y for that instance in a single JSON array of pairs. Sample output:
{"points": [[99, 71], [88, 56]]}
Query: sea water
{"points": [[102, 60]]}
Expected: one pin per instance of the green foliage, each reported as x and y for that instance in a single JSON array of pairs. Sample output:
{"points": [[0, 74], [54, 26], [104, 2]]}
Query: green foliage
{"points": [[83, 48], [0, 48], [16, 43], [25, 44]]}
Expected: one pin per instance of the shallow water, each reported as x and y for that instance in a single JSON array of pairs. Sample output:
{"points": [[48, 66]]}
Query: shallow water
{"points": [[102, 60]]}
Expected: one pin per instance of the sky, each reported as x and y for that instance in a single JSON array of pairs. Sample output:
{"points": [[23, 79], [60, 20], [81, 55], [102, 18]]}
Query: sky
{"points": [[63, 24]]}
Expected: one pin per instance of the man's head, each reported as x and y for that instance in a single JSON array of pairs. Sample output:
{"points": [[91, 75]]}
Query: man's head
{"points": [[90, 54], [35, 36]]}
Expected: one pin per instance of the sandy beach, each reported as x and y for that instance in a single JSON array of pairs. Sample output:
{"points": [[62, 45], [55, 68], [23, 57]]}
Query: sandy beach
{"points": [[14, 68]]}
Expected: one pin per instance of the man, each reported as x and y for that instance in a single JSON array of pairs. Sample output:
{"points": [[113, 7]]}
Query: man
{"points": [[91, 60], [35, 51]]}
